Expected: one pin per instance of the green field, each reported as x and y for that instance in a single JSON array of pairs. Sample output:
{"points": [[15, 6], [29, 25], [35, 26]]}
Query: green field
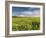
{"points": [[25, 23]]}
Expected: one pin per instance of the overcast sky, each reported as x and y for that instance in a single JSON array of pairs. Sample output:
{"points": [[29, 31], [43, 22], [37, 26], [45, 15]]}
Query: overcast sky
{"points": [[26, 11]]}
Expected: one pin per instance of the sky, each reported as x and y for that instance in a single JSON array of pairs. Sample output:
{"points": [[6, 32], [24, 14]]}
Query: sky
{"points": [[25, 11]]}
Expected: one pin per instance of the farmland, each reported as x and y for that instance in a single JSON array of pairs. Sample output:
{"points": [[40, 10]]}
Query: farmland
{"points": [[25, 23]]}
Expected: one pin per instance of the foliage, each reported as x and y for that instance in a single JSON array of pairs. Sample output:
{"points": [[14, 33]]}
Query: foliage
{"points": [[25, 23]]}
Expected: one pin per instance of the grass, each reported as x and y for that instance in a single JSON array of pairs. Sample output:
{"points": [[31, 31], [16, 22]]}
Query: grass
{"points": [[25, 23]]}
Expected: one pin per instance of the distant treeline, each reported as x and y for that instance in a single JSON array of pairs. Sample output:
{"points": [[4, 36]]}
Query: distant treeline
{"points": [[16, 17], [19, 17]]}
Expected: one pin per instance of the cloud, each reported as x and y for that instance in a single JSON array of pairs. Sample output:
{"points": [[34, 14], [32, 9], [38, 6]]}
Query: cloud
{"points": [[21, 15], [36, 12], [26, 13]]}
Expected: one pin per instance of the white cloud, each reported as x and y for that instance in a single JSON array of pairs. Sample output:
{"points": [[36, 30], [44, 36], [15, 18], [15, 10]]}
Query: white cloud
{"points": [[36, 12], [27, 13], [21, 15]]}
